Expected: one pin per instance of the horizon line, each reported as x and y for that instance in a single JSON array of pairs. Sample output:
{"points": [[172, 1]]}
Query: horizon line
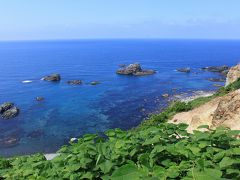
{"points": [[80, 39]]}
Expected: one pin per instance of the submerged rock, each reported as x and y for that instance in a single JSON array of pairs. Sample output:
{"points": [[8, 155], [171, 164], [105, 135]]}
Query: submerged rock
{"points": [[217, 79], [39, 98], [95, 83], [217, 85], [75, 82], [185, 70], [135, 69], [9, 141], [165, 95], [35, 134], [219, 69], [8, 110], [233, 74], [52, 77]]}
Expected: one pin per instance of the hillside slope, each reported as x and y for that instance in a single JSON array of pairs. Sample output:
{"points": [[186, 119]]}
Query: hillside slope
{"points": [[221, 111]]}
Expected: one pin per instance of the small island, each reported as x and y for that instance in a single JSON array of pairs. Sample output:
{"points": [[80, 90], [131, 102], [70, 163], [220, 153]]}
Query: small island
{"points": [[135, 70]]}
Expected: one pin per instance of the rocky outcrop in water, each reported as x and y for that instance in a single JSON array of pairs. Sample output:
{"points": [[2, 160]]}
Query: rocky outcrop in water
{"points": [[95, 83], [8, 110], [74, 82], [52, 77], [217, 79], [185, 70], [233, 74], [135, 69], [218, 69], [39, 98]]}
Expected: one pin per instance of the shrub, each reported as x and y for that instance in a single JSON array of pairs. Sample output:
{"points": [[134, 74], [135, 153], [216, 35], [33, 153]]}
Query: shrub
{"points": [[163, 151]]}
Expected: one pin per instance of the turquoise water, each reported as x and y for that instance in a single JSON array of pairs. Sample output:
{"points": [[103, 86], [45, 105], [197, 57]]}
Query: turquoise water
{"points": [[118, 102]]}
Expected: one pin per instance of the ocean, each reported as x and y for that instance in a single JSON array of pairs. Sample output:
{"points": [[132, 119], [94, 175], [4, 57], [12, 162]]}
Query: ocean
{"points": [[119, 101]]}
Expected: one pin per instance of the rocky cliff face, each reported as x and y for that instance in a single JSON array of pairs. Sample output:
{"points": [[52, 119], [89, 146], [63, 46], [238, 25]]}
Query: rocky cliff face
{"points": [[233, 74], [221, 111]]}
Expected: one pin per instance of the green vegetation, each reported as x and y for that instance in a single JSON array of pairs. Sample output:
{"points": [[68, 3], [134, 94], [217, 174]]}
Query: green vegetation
{"points": [[164, 151], [154, 150]]}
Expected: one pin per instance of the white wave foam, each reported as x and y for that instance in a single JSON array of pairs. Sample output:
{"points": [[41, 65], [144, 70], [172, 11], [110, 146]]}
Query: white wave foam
{"points": [[27, 81]]}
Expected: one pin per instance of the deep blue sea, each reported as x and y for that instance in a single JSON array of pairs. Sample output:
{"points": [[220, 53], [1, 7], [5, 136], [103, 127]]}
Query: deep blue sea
{"points": [[118, 102]]}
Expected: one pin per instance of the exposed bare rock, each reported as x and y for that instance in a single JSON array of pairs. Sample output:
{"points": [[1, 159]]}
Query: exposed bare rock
{"points": [[8, 110], [134, 69], [185, 70], [75, 82], [52, 77], [10, 113], [233, 74], [39, 98], [221, 111], [219, 69]]}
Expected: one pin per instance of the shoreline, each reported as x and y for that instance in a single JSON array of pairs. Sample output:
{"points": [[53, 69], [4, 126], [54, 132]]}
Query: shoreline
{"points": [[187, 97]]}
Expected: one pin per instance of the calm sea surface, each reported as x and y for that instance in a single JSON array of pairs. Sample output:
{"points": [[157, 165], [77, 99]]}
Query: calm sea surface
{"points": [[118, 102]]}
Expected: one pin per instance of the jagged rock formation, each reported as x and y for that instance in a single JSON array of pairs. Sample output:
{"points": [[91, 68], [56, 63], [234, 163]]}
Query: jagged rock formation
{"points": [[8, 110], [233, 74], [134, 69], [75, 82], [218, 69], [52, 77], [185, 70]]}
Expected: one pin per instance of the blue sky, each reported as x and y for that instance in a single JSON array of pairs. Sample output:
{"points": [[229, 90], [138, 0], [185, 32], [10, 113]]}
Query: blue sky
{"points": [[77, 19]]}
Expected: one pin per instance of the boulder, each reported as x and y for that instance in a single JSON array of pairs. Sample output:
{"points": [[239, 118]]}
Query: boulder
{"points": [[134, 69], [5, 106], [39, 98], [10, 113], [75, 82], [233, 74], [52, 77], [185, 70], [8, 110], [219, 69]]}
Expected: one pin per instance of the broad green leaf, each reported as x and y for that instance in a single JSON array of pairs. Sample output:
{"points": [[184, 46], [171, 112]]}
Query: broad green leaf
{"points": [[226, 162], [125, 172], [106, 166]]}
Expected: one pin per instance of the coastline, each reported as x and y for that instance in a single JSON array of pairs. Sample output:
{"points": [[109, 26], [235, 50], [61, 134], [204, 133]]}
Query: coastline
{"points": [[186, 97]]}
